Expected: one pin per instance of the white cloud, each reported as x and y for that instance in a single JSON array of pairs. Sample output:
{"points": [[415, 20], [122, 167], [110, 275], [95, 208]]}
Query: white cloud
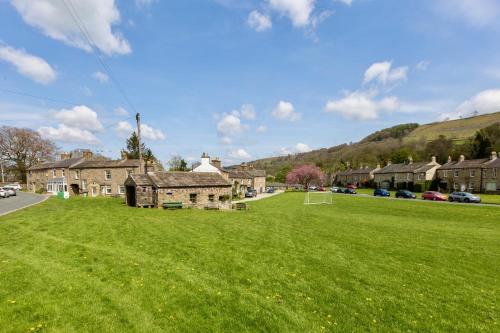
{"points": [[247, 111], [423, 65], [120, 111], [124, 129], [226, 140], [302, 148], [487, 101], [259, 22], [383, 73], [230, 125], [361, 105], [151, 133], [28, 65], [98, 16], [478, 13], [298, 11], [71, 134], [346, 2], [101, 77], [261, 129], [79, 116], [239, 154], [285, 111]]}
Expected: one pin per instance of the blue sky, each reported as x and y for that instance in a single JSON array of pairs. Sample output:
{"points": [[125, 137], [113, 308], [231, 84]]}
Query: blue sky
{"points": [[243, 79]]}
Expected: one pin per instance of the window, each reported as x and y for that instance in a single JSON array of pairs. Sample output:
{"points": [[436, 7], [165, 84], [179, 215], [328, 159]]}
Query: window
{"points": [[445, 174], [107, 174], [49, 187], [84, 184], [408, 176], [121, 189], [63, 172], [106, 190], [495, 173], [455, 173], [53, 173], [192, 197], [471, 186], [77, 174], [473, 173], [60, 188], [211, 197]]}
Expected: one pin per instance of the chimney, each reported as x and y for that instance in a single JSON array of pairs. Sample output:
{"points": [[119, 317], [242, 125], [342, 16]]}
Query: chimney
{"points": [[433, 160], [410, 160], [494, 155], [243, 166], [449, 159], [205, 159], [389, 162], [217, 163], [462, 158], [87, 154], [378, 165], [65, 156], [124, 155]]}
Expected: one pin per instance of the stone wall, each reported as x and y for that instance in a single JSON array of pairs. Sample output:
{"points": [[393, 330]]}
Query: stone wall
{"points": [[202, 196], [464, 180], [259, 184], [93, 180]]}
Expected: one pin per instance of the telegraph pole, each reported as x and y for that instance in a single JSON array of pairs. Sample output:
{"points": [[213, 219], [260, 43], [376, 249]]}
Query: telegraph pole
{"points": [[138, 118], [3, 177]]}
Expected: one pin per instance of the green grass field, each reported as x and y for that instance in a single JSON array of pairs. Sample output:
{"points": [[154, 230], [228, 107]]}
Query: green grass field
{"points": [[359, 265]]}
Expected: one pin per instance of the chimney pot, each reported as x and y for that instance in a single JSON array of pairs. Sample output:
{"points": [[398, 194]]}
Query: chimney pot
{"points": [[494, 155], [462, 158], [433, 159], [449, 159], [410, 160], [389, 162]]}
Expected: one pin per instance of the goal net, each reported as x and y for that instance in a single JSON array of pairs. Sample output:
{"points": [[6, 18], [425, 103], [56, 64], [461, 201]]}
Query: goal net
{"points": [[318, 198]]}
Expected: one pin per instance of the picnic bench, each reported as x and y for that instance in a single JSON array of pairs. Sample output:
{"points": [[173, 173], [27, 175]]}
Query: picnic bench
{"points": [[172, 205], [240, 206]]}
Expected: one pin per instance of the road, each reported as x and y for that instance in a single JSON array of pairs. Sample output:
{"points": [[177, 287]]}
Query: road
{"points": [[261, 196], [22, 200]]}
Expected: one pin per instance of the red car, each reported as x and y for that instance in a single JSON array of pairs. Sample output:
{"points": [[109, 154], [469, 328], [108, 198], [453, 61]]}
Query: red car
{"points": [[352, 186], [434, 196]]}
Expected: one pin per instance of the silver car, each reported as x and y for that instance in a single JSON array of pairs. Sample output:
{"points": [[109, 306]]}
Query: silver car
{"points": [[4, 193], [12, 191], [464, 197]]}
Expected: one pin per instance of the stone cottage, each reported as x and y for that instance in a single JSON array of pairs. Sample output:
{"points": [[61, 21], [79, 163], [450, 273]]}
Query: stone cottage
{"points": [[359, 177], [192, 189], [406, 175]]}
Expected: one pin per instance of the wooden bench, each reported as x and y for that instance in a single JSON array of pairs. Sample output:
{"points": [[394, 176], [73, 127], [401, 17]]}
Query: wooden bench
{"points": [[240, 206], [172, 205]]}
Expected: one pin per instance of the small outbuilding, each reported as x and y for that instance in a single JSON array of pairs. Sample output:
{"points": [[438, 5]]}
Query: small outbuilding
{"points": [[205, 190]]}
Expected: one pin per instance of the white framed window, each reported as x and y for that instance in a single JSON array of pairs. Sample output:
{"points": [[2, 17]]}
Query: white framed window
{"points": [[121, 189], [455, 173], [77, 174], [472, 173], [471, 186], [49, 187], [54, 173], [63, 172], [84, 184], [107, 174], [106, 190]]}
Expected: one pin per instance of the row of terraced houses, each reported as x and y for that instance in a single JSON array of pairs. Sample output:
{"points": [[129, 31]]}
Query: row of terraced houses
{"points": [[476, 175], [80, 173]]}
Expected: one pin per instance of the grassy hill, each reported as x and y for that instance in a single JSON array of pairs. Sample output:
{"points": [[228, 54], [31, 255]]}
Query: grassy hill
{"points": [[459, 129], [379, 146], [359, 265]]}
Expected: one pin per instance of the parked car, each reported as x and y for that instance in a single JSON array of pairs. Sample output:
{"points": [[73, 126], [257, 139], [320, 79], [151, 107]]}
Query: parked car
{"points": [[334, 189], [270, 190], [352, 186], [338, 190], [251, 194], [312, 188], [380, 192], [4, 193], [405, 194], [10, 190], [350, 191], [464, 197], [434, 196], [16, 187]]}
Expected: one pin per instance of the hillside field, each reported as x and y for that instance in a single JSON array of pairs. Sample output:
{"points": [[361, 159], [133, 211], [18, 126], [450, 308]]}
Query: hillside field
{"points": [[359, 265]]}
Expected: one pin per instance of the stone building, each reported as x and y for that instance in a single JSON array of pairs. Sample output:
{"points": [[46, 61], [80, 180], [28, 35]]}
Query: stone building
{"points": [[242, 177], [477, 175], [406, 175], [82, 175], [360, 177], [192, 189]]}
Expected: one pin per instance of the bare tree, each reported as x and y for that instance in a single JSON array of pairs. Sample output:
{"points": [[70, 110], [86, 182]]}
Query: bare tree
{"points": [[23, 148]]}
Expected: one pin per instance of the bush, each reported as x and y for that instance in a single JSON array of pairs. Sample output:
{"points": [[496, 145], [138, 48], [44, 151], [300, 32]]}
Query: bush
{"points": [[418, 188]]}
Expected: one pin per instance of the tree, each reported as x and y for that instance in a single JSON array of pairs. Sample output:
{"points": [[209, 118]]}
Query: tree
{"points": [[282, 173], [23, 148], [177, 163], [305, 175], [132, 151], [441, 148]]}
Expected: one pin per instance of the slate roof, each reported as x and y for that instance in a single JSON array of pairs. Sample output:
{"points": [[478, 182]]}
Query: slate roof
{"points": [[402, 167], [362, 171], [181, 179], [466, 164], [493, 164], [82, 163]]}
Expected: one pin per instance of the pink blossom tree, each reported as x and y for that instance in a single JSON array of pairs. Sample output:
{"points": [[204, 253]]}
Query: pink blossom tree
{"points": [[305, 175]]}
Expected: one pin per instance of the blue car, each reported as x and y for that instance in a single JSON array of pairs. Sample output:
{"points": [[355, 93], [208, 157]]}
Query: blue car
{"points": [[380, 192]]}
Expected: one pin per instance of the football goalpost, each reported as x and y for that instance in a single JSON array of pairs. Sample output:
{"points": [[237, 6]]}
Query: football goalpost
{"points": [[318, 198]]}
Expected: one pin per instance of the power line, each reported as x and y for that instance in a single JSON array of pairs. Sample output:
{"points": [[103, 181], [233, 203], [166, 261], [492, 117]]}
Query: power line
{"points": [[49, 99], [83, 30]]}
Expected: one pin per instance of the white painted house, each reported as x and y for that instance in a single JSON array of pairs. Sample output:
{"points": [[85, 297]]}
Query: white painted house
{"points": [[206, 165]]}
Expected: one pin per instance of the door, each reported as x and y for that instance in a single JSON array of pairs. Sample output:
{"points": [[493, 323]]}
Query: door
{"points": [[94, 191]]}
